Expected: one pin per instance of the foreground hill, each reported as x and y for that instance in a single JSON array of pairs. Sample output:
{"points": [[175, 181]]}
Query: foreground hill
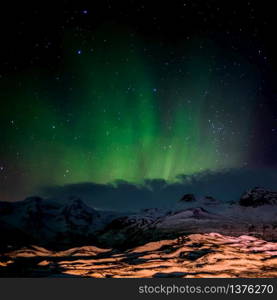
{"points": [[195, 255]]}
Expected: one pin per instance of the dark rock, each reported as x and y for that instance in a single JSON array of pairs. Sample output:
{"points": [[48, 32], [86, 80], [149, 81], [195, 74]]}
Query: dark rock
{"points": [[194, 255], [209, 200], [6, 208], [188, 198], [258, 197]]}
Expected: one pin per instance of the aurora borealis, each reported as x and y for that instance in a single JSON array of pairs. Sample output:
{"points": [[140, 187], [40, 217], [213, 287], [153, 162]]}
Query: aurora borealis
{"points": [[110, 102]]}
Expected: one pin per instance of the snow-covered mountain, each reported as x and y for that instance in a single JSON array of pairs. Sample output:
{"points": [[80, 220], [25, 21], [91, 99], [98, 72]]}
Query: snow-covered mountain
{"points": [[47, 222], [57, 225]]}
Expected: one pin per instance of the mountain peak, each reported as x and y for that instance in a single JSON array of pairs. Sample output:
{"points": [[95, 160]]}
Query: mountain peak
{"points": [[258, 196], [76, 211], [188, 198]]}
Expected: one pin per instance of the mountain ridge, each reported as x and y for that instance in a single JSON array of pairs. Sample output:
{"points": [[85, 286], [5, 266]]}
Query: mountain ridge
{"points": [[74, 223]]}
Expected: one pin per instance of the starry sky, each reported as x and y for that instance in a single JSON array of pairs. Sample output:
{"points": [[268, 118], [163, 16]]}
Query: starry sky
{"points": [[105, 92]]}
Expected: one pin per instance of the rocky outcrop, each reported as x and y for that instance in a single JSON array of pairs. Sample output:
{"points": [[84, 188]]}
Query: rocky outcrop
{"points": [[210, 201], [257, 197], [188, 198]]}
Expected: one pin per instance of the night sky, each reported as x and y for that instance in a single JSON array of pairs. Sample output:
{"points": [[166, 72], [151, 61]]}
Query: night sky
{"points": [[135, 90]]}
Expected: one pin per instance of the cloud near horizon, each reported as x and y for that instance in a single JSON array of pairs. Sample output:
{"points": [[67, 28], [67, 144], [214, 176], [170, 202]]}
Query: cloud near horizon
{"points": [[120, 195]]}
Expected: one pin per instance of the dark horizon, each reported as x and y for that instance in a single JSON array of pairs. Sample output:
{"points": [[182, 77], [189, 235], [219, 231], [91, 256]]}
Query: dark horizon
{"points": [[226, 186]]}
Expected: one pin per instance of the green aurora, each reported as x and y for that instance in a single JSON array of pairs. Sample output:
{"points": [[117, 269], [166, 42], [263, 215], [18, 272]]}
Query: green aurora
{"points": [[116, 113]]}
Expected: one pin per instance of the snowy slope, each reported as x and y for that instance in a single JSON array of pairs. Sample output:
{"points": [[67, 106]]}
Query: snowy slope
{"points": [[74, 223], [194, 255]]}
